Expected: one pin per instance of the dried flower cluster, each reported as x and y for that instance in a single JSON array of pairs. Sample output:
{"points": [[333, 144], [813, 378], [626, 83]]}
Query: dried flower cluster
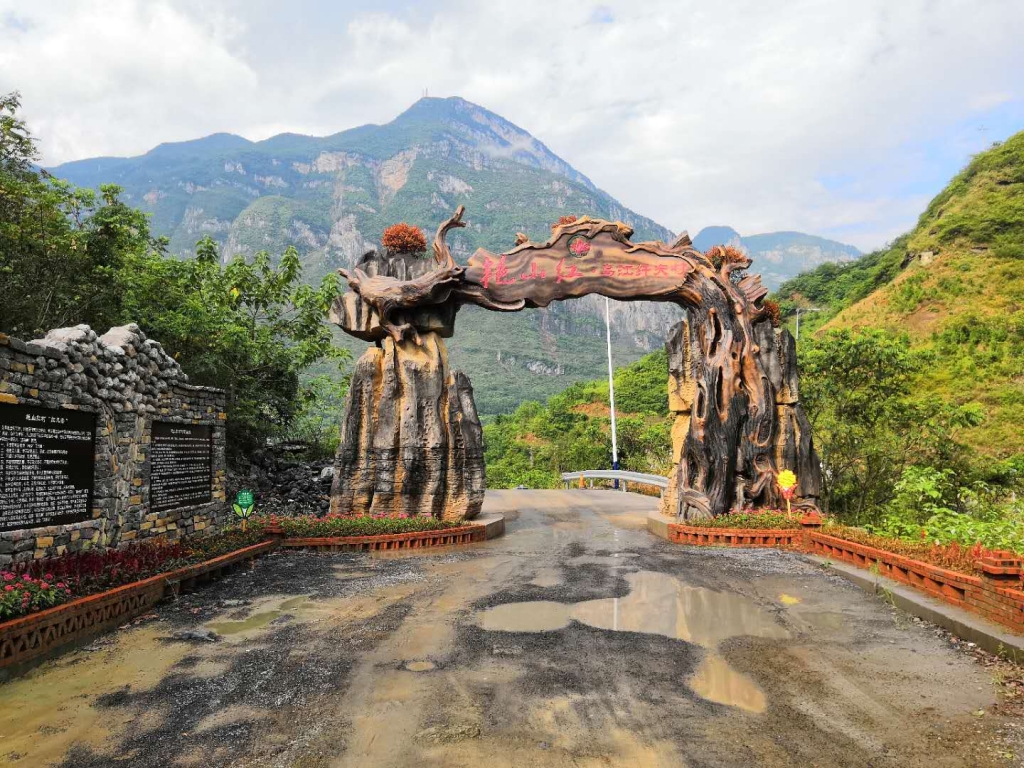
{"points": [[723, 254], [562, 221], [773, 312], [404, 238]]}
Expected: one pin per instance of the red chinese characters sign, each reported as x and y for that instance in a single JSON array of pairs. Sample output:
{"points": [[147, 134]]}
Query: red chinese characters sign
{"points": [[574, 265]]}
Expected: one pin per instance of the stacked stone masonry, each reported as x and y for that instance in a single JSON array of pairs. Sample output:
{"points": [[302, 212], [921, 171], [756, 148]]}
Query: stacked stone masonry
{"points": [[128, 382]]}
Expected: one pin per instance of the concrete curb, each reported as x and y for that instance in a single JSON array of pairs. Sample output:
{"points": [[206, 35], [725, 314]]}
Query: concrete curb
{"points": [[492, 522], [985, 634]]}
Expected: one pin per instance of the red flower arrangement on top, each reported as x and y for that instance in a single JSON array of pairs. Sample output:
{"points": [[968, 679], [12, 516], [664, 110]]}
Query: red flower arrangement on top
{"points": [[404, 238], [723, 254]]}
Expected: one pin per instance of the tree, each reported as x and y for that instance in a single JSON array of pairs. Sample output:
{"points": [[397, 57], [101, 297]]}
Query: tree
{"points": [[70, 256], [868, 425], [250, 328], [63, 250]]}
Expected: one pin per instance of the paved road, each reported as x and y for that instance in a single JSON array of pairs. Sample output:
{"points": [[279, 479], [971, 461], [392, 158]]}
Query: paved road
{"points": [[578, 639]]}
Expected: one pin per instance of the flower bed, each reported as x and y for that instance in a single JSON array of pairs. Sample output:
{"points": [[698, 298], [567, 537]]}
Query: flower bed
{"points": [[40, 584], [361, 525], [755, 519], [369, 533], [747, 528], [39, 634], [950, 556], [465, 534]]}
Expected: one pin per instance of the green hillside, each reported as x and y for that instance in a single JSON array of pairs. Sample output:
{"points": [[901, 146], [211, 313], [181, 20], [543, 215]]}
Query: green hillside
{"points": [[572, 431], [955, 286]]}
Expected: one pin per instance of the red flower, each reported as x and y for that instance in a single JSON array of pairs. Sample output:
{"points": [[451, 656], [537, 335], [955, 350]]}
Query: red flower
{"points": [[8, 588], [580, 247]]}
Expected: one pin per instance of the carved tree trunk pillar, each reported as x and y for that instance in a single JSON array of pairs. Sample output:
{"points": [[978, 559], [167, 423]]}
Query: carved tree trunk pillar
{"points": [[682, 389], [411, 440], [738, 420]]}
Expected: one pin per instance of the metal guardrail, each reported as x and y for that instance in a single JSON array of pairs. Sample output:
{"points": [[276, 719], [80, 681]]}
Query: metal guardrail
{"points": [[622, 476]]}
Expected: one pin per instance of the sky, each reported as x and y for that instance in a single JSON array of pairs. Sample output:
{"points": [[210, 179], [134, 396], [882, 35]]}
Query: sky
{"points": [[840, 118]]}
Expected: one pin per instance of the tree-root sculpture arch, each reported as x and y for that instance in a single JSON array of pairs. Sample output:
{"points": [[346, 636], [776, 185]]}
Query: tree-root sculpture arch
{"points": [[411, 440]]}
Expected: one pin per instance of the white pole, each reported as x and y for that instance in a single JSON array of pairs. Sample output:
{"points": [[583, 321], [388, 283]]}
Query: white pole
{"points": [[611, 383]]}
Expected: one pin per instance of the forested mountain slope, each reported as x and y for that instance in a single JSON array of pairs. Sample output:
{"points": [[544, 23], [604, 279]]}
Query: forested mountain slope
{"points": [[955, 285]]}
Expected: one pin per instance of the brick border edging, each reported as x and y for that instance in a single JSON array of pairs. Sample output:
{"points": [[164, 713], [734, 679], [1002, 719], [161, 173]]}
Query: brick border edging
{"points": [[996, 594], [33, 637], [735, 537], [464, 534]]}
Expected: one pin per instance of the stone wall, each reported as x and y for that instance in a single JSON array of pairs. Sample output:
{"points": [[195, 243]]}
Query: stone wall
{"points": [[128, 381]]}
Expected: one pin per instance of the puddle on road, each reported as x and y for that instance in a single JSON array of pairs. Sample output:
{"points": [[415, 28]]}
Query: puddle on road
{"points": [[534, 616], [258, 620], [547, 577], [420, 666], [658, 604], [716, 681]]}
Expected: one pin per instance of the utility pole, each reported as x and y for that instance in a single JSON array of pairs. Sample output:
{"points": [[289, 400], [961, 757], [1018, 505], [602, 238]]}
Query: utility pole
{"points": [[798, 311], [611, 384]]}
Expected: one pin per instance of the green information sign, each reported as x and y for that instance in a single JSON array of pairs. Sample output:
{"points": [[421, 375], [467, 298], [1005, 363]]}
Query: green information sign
{"points": [[243, 506]]}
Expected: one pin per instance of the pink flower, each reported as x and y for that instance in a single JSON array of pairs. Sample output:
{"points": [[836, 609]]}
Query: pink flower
{"points": [[44, 585], [48, 577], [8, 576], [8, 588]]}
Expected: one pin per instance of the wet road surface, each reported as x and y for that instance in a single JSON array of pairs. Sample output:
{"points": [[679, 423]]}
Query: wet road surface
{"points": [[577, 639]]}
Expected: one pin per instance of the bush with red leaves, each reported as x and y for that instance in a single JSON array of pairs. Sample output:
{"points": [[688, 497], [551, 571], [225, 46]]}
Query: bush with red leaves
{"points": [[404, 238], [773, 312]]}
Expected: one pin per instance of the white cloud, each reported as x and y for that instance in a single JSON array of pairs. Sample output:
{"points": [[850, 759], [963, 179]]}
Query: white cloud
{"points": [[693, 113]]}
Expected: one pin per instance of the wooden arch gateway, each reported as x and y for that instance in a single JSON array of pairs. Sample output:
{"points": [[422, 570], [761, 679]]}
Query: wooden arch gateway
{"points": [[411, 441]]}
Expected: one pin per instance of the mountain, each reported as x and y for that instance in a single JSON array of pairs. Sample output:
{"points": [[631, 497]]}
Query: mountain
{"points": [[332, 197], [779, 256], [955, 285]]}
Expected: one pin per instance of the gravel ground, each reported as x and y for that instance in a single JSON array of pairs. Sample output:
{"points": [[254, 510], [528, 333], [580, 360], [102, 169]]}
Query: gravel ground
{"points": [[577, 639]]}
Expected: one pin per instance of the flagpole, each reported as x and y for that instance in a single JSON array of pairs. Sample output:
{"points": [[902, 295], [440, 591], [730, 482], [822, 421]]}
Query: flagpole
{"points": [[611, 384]]}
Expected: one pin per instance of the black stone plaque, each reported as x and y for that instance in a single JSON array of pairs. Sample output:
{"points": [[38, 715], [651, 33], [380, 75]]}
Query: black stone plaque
{"points": [[47, 458], [181, 461]]}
